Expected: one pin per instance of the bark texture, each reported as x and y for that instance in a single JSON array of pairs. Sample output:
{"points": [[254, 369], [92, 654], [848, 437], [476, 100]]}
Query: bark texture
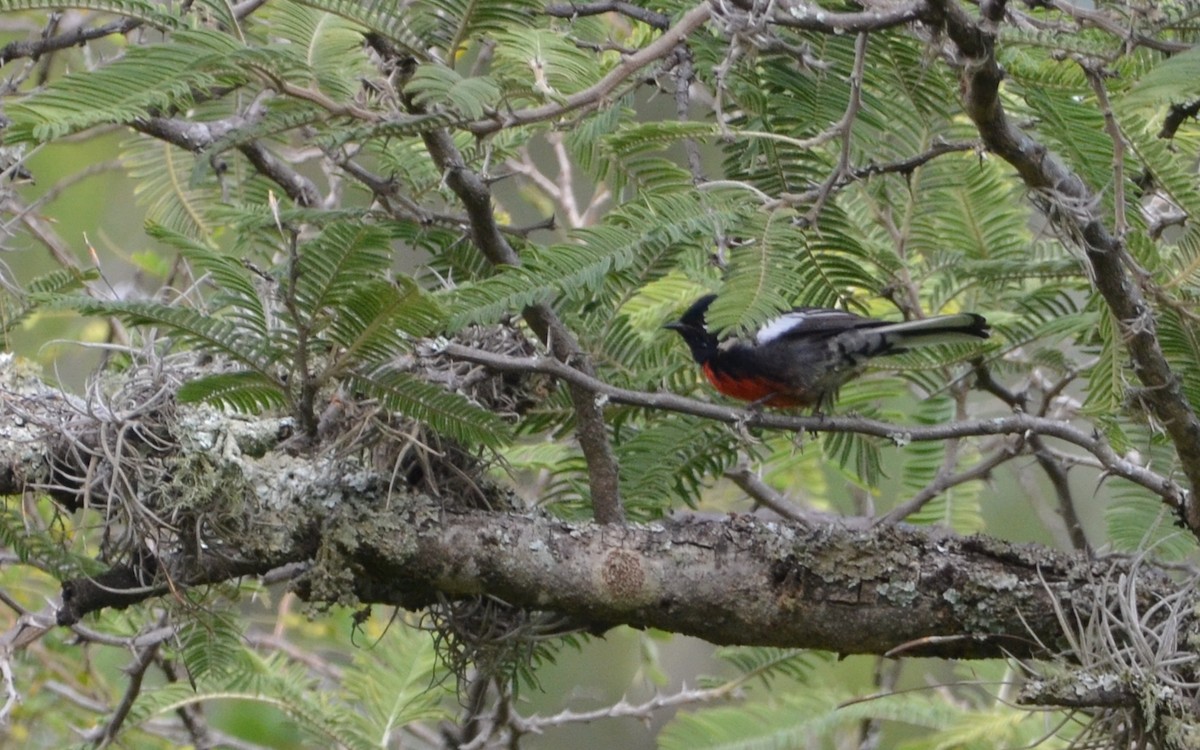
{"points": [[231, 484]]}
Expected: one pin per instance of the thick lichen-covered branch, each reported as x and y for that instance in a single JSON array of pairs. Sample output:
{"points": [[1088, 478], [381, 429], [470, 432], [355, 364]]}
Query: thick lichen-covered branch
{"points": [[365, 537]]}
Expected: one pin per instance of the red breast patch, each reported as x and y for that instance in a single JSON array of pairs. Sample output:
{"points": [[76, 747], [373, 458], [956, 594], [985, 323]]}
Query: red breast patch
{"points": [[768, 392]]}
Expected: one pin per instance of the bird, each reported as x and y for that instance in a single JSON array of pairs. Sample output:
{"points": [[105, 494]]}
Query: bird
{"points": [[802, 357]]}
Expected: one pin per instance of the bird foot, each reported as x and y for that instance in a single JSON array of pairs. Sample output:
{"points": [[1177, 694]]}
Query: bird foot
{"points": [[744, 422]]}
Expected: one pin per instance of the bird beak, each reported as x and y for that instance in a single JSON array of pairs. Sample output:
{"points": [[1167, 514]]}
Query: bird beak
{"points": [[675, 325]]}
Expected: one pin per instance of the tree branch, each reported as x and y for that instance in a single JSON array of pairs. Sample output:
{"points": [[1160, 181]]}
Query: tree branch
{"points": [[1177, 114], [196, 137], [35, 48], [590, 429], [1073, 206], [946, 480], [903, 167], [106, 735], [763, 494], [629, 10], [733, 580], [656, 50], [1051, 465], [1118, 27], [370, 538], [800, 15], [1013, 424]]}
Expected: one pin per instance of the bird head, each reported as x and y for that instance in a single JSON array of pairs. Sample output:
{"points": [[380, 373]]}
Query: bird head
{"points": [[692, 328]]}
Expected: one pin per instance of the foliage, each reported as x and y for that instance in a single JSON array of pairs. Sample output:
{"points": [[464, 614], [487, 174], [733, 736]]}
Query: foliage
{"points": [[343, 321]]}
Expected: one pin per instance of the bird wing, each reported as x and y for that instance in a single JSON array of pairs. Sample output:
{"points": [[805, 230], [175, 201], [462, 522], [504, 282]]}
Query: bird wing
{"points": [[811, 321]]}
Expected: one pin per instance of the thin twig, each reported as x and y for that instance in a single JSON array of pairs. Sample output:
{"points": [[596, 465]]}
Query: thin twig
{"points": [[1057, 474], [35, 48], [1050, 463], [103, 737], [843, 129], [945, 480], [764, 495], [800, 15], [191, 715], [196, 137], [887, 674], [656, 50], [629, 10], [1095, 77], [643, 710], [903, 167], [1090, 17], [685, 76]]}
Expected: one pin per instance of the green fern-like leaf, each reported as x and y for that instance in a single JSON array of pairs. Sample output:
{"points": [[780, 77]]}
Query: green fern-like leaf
{"points": [[640, 137], [450, 25], [189, 327], [236, 293], [671, 460], [636, 245], [378, 319], [248, 392], [335, 263], [210, 643], [544, 61], [17, 305], [447, 413], [857, 455], [396, 681], [957, 508], [44, 549], [1139, 522], [165, 185], [148, 13], [1173, 79], [332, 46], [767, 664], [758, 286], [382, 17], [272, 682], [965, 208], [801, 717], [1069, 124], [586, 142], [781, 267], [1179, 338], [438, 85], [154, 77], [1108, 378]]}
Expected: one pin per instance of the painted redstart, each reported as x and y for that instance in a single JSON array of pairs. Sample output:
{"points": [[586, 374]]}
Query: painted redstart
{"points": [[802, 357]]}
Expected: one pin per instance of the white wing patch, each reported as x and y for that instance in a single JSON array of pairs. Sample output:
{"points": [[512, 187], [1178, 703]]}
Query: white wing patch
{"points": [[777, 327]]}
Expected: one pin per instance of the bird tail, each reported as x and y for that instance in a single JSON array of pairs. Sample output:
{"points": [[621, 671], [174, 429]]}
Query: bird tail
{"points": [[943, 329]]}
